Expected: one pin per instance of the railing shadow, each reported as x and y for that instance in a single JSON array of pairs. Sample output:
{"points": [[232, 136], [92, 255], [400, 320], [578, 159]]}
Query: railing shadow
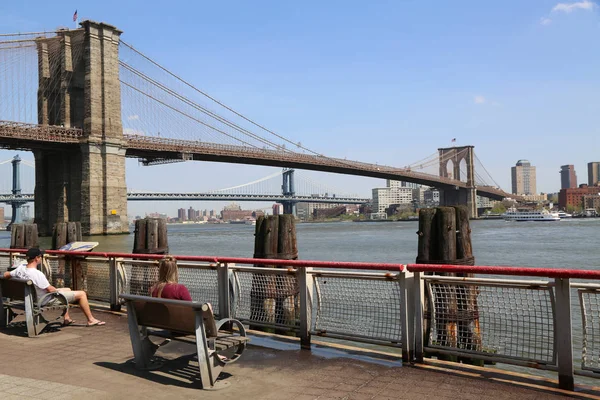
{"points": [[181, 371]]}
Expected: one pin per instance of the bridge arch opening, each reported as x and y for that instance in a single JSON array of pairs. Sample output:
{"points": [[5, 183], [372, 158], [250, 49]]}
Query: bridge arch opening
{"points": [[462, 170]]}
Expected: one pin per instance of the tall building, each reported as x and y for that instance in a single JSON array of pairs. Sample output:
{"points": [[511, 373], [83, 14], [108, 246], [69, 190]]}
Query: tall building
{"points": [[594, 173], [191, 214], [523, 178], [181, 214], [568, 178]]}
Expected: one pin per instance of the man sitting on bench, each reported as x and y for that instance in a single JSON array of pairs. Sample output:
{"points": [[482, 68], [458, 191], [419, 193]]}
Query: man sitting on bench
{"points": [[30, 272]]}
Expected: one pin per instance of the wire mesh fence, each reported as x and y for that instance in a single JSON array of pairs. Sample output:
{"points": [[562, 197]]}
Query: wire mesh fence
{"points": [[358, 307], [202, 283], [96, 278], [589, 301], [267, 297], [510, 321], [137, 276]]}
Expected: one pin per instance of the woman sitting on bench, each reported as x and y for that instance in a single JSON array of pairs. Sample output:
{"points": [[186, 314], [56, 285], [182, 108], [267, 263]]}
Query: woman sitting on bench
{"points": [[168, 286]]}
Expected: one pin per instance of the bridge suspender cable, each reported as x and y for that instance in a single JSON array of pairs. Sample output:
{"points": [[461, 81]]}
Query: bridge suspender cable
{"points": [[196, 106], [186, 115], [217, 101]]}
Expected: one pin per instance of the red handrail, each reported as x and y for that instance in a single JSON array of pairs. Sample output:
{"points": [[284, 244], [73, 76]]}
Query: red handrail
{"points": [[240, 260], [506, 270]]}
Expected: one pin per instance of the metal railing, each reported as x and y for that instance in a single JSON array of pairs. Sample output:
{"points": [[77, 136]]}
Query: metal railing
{"points": [[525, 322]]}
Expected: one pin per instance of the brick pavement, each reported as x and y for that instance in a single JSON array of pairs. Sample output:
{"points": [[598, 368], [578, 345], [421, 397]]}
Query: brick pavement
{"points": [[79, 362]]}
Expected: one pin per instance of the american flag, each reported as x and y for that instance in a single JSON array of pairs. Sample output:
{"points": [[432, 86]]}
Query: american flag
{"points": [[453, 140], [75, 16]]}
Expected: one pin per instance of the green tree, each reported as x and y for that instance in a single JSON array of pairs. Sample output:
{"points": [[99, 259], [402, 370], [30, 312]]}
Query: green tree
{"points": [[498, 208]]}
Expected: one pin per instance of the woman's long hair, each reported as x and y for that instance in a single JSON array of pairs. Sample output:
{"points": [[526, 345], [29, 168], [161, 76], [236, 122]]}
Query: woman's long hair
{"points": [[167, 273]]}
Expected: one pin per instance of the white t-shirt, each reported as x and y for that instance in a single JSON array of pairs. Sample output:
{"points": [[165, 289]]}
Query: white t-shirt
{"points": [[37, 277]]}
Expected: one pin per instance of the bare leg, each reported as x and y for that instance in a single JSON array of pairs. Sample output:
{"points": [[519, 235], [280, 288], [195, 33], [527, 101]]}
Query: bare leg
{"points": [[81, 298]]}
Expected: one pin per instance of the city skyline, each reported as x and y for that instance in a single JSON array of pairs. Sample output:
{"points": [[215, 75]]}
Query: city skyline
{"points": [[406, 82]]}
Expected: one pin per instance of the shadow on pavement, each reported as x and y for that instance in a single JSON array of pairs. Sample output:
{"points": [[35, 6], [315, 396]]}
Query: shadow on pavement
{"points": [[181, 371]]}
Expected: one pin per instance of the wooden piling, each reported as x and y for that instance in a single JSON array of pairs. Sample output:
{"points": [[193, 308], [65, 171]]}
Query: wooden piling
{"points": [[274, 298], [71, 270], [23, 236], [150, 237], [445, 238]]}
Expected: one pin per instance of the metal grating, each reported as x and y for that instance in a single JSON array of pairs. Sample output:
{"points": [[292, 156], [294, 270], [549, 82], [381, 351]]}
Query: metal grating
{"points": [[509, 321], [60, 272], [267, 298], [97, 279], [590, 315], [202, 285], [5, 263], [358, 307], [139, 277]]}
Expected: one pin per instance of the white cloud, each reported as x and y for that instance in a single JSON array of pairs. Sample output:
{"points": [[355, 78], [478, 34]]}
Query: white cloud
{"points": [[479, 99], [133, 117], [545, 21], [570, 7]]}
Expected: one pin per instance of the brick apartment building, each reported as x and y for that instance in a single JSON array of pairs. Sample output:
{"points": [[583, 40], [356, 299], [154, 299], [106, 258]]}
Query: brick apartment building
{"points": [[578, 197]]}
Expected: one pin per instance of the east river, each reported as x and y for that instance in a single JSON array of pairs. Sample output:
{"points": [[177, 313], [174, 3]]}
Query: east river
{"points": [[569, 243]]}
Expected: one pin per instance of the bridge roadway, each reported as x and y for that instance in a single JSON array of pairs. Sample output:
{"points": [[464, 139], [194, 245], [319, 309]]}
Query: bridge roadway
{"points": [[15, 135], [25, 198]]}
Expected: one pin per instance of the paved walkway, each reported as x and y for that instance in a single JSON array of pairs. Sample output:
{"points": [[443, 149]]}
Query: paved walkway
{"points": [[79, 362]]}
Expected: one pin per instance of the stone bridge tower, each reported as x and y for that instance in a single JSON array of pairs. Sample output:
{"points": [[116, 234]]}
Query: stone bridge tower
{"points": [[457, 195], [79, 87]]}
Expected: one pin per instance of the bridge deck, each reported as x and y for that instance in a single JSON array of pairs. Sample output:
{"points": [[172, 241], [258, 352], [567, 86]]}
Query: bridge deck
{"points": [[94, 363], [20, 135]]}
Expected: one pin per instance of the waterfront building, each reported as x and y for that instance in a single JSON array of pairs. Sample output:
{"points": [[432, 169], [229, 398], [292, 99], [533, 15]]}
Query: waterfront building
{"points": [[393, 193], [537, 198], [577, 197], [594, 173], [181, 215], [568, 178], [431, 197], [484, 202], [523, 178], [277, 209], [191, 214], [591, 201]]}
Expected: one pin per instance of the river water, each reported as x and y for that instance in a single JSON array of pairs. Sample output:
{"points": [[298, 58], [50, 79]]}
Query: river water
{"points": [[569, 243]]}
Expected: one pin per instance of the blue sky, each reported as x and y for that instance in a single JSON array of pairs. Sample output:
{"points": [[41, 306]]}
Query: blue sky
{"points": [[386, 82]]}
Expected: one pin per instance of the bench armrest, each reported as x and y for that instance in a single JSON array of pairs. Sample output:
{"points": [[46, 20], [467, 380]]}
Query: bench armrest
{"points": [[48, 296], [25, 281]]}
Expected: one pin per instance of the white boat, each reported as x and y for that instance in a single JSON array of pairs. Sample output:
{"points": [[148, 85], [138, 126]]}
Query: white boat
{"points": [[563, 214], [512, 214]]}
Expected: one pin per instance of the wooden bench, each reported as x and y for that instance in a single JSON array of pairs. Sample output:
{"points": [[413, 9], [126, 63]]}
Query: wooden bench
{"points": [[215, 348], [18, 297]]}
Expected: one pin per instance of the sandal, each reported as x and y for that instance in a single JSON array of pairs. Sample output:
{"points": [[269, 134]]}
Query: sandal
{"points": [[97, 323], [68, 322]]}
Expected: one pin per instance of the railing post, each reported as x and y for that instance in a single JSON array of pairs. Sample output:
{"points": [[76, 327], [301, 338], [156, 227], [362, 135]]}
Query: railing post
{"points": [[564, 340], [223, 283], [407, 315], [305, 312], [115, 304], [418, 307]]}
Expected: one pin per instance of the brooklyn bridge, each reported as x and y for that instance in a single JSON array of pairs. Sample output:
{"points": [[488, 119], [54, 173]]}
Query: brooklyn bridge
{"points": [[83, 100]]}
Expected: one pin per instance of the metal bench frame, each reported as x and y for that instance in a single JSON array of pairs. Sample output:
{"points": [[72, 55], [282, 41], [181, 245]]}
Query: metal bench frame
{"points": [[20, 295], [183, 318]]}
